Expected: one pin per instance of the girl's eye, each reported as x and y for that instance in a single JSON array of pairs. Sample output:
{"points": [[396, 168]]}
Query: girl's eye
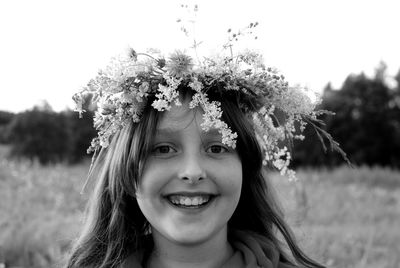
{"points": [[216, 149], [164, 149]]}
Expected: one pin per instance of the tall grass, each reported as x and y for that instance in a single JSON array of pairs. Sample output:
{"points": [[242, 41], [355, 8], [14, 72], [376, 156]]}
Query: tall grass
{"points": [[346, 217], [40, 211], [343, 217]]}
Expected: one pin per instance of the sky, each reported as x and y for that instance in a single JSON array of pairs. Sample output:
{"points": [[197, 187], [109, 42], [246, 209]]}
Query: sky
{"points": [[50, 49]]}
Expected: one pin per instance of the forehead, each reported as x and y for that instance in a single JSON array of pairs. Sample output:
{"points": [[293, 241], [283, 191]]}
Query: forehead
{"points": [[179, 117]]}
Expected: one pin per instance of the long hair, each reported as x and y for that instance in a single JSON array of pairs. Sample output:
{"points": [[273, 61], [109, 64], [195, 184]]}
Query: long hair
{"points": [[115, 225], [258, 209]]}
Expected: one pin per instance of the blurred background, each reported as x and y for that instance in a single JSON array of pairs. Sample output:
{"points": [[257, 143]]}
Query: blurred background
{"points": [[347, 51]]}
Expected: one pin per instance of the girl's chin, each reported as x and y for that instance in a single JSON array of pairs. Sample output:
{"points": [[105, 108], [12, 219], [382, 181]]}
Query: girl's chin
{"points": [[190, 237], [194, 233]]}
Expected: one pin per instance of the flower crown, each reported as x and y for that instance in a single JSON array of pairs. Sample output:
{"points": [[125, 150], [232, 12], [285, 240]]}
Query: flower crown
{"points": [[123, 89]]}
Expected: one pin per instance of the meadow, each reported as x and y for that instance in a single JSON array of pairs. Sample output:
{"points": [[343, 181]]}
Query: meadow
{"points": [[343, 217]]}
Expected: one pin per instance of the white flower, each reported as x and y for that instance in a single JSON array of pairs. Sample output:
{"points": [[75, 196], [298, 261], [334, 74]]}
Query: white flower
{"points": [[78, 98], [179, 64], [161, 105], [196, 99], [142, 91], [196, 85]]}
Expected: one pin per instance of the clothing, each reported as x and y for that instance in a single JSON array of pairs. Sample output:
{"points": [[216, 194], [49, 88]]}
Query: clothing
{"points": [[251, 251]]}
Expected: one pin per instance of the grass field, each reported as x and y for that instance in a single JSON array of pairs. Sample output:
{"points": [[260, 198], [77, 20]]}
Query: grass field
{"points": [[343, 218]]}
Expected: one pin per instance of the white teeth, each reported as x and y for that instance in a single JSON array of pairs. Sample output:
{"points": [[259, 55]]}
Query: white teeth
{"points": [[189, 201]]}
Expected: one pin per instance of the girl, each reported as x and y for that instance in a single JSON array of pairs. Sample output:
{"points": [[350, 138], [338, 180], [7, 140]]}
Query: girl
{"points": [[179, 175]]}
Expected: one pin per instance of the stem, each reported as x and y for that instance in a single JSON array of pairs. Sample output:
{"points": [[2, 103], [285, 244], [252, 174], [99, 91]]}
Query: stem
{"points": [[194, 38], [145, 54]]}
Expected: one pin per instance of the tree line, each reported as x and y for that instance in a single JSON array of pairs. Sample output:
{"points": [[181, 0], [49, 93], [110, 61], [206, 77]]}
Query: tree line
{"points": [[47, 136], [366, 124]]}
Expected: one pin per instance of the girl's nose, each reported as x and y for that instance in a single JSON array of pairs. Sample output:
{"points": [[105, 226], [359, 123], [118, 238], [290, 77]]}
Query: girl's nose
{"points": [[192, 170]]}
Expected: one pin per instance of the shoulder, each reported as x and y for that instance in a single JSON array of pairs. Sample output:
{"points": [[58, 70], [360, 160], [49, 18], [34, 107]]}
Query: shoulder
{"points": [[258, 250], [133, 261], [287, 265], [139, 256]]}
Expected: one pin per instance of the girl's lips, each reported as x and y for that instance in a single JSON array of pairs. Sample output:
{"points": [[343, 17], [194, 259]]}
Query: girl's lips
{"points": [[190, 194], [190, 200]]}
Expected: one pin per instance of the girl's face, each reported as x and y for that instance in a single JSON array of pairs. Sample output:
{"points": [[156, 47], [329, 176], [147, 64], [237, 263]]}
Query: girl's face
{"points": [[191, 182]]}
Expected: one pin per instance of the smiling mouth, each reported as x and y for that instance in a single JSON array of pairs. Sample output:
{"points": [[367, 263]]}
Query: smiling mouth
{"points": [[184, 201]]}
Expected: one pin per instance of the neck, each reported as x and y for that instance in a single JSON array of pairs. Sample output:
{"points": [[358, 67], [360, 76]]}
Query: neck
{"points": [[167, 253]]}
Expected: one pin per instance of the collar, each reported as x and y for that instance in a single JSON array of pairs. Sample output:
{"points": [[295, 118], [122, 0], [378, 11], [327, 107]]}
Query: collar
{"points": [[251, 251]]}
